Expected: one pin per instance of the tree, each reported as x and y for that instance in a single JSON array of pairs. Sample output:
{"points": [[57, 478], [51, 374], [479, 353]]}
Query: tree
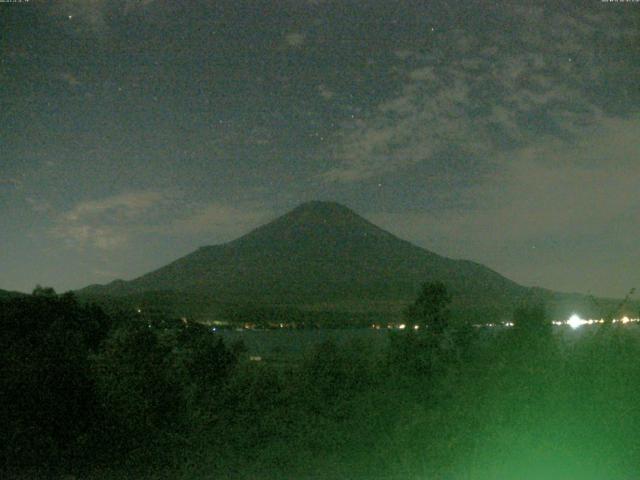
{"points": [[41, 291], [532, 319], [431, 309], [44, 376], [132, 375], [532, 331]]}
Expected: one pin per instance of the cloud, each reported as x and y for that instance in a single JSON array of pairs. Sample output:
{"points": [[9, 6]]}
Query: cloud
{"points": [[108, 223], [115, 222], [123, 206], [92, 16], [552, 189], [555, 214], [39, 206], [295, 39], [483, 101], [70, 79], [224, 221], [325, 92], [132, 5], [403, 54], [10, 182], [86, 235], [88, 15]]}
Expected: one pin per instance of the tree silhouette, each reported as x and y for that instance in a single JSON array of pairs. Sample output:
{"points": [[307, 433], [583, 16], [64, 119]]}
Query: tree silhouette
{"points": [[431, 309], [531, 321]]}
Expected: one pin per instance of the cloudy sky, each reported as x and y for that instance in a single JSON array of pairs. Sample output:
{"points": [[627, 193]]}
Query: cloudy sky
{"points": [[134, 131]]}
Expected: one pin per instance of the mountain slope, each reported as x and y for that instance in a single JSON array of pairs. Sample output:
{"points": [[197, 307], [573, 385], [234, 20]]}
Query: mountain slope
{"points": [[320, 252], [5, 294]]}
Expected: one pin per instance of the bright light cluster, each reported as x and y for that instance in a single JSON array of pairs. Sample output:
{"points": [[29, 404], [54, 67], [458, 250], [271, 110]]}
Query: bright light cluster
{"points": [[575, 321]]}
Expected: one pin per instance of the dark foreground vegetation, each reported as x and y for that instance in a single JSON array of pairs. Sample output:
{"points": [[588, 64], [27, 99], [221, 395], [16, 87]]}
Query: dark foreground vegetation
{"points": [[96, 396]]}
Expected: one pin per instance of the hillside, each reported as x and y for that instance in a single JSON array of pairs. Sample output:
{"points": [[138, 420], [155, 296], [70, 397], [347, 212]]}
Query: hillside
{"points": [[320, 255], [7, 294]]}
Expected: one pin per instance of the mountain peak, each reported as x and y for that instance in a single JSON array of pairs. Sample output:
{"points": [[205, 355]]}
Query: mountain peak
{"points": [[322, 206], [318, 253], [317, 210], [311, 221]]}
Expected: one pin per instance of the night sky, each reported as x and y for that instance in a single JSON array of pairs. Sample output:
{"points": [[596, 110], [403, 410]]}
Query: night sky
{"points": [[134, 131]]}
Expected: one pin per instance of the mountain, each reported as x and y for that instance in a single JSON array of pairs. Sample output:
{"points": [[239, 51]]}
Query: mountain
{"points": [[4, 294], [321, 255]]}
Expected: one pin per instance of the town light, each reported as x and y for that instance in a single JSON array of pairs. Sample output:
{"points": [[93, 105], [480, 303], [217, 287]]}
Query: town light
{"points": [[575, 321]]}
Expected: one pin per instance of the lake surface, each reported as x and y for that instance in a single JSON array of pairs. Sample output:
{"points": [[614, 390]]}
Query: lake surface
{"points": [[291, 342]]}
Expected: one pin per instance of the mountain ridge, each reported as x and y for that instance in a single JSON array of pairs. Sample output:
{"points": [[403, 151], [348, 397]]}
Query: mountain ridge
{"points": [[319, 252], [6, 294]]}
